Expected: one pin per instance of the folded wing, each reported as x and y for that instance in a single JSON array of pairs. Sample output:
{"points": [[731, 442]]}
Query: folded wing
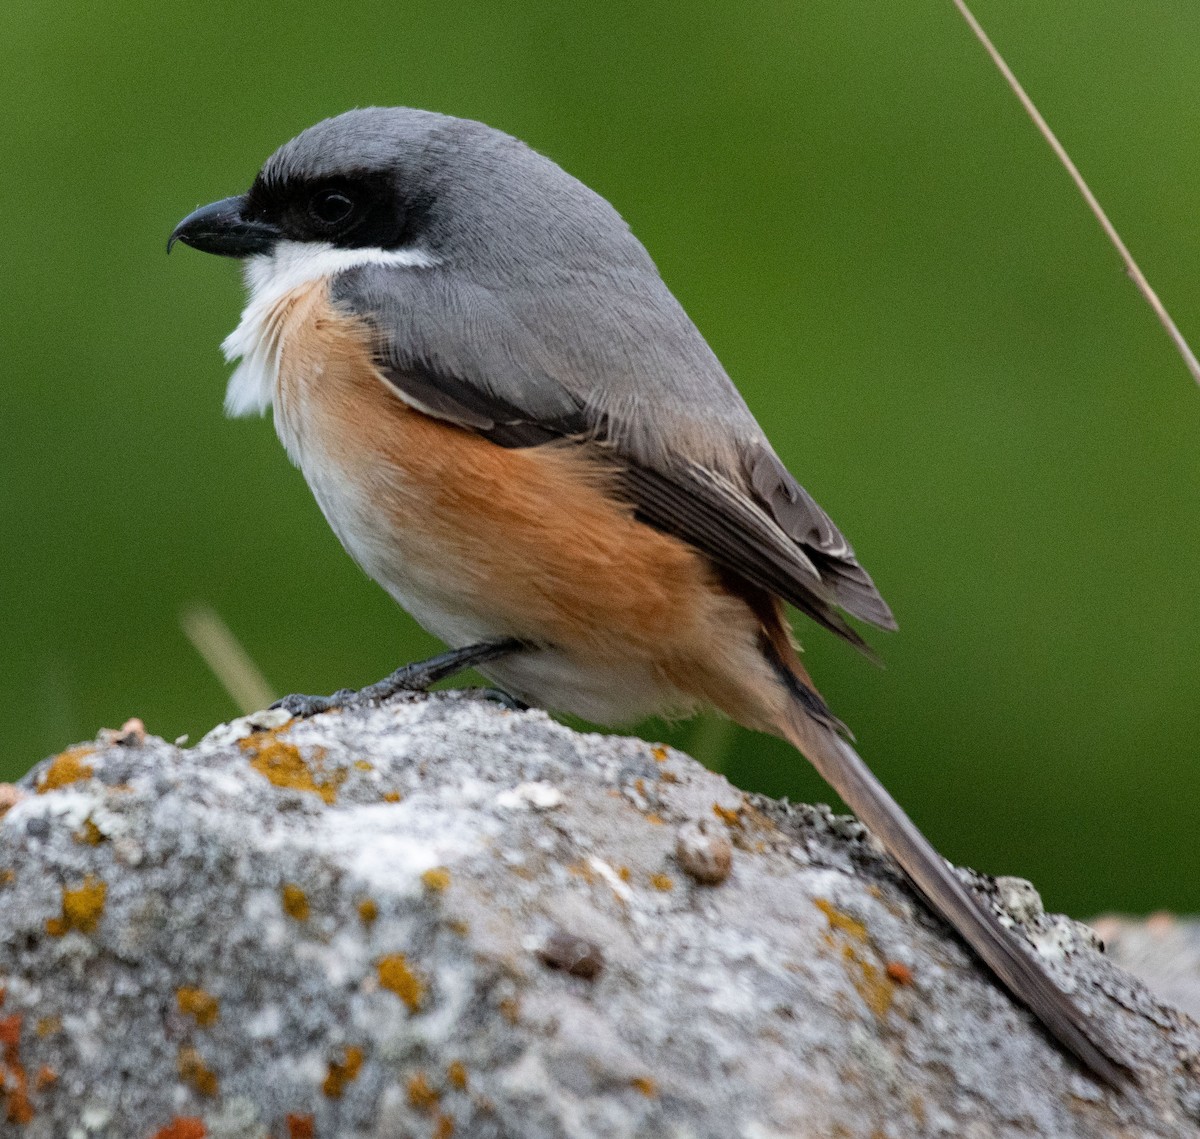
{"points": [[626, 373]]}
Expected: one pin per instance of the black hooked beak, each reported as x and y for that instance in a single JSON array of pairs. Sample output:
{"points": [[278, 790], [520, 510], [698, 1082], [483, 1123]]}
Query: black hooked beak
{"points": [[224, 229]]}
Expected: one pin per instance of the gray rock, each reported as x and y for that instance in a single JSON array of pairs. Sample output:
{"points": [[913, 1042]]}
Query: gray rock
{"points": [[1163, 950], [441, 918]]}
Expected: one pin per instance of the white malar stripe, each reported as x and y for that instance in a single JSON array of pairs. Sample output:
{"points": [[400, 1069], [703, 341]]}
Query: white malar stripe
{"points": [[269, 278]]}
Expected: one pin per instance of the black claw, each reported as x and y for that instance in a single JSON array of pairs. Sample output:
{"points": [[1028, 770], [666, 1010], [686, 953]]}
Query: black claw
{"points": [[305, 706], [499, 696]]}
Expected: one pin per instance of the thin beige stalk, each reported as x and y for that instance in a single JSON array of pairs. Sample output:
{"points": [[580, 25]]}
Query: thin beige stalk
{"points": [[1131, 266], [229, 661]]}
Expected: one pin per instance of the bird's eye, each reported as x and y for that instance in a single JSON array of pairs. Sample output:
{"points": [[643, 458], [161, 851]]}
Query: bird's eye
{"points": [[330, 207]]}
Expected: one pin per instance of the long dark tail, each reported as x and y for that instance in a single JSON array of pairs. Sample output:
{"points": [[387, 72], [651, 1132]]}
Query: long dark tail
{"points": [[1017, 969]]}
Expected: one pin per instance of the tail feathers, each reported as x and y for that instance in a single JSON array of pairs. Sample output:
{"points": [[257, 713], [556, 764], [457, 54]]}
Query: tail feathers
{"points": [[1024, 977]]}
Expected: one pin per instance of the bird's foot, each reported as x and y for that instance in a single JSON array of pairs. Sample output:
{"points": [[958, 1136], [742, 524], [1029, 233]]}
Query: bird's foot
{"points": [[303, 707], [418, 677]]}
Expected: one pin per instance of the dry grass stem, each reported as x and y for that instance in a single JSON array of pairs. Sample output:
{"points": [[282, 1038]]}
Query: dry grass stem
{"points": [[1131, 266], [229, 661]]}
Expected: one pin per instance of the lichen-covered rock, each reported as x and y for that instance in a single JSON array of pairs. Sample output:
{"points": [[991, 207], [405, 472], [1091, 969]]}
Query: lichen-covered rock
{"points": [[442, 918]]}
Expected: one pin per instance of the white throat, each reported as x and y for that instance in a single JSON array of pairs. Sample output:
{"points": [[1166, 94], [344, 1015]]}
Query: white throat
{"points": [[269, 278]]}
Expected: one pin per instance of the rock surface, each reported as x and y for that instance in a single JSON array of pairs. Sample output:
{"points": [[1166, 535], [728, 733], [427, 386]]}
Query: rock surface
{"points": [[1162, 950], [441, 918]]}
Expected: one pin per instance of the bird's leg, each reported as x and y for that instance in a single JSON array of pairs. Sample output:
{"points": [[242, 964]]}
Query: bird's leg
{"points": [[416, 677]]}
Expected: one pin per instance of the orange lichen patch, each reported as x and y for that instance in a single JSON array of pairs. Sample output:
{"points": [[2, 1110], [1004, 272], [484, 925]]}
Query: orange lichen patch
{"points": [[624, 873], [876, 986], [14, 1083], [295, 903], [7, 877], [420, 1094], [656, 820], [662, 882], [459, 927], [752, 816], [301, 1127], [66, 769], [668, 777], [368, 911], [46, 1078], [645, 1085], [660, 753], [840, 921], [283, 765], [182, 1128], [89, 834], [342, 1072], [456, 1075], [194, 1072], [582, 870], [202, 1007], [48, 1026], [81, 908], [443, 1126], [729, 817], [18, 1110], [395, 975], [363, 765], [436, 879], [899, 972], [392, 796]]}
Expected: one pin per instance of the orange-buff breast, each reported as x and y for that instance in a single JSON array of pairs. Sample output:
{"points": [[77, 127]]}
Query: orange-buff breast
{"points": [[531, 543]]}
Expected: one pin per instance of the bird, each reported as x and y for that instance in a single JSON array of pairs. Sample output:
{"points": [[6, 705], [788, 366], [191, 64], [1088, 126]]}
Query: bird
{"points": [[514, 427]]}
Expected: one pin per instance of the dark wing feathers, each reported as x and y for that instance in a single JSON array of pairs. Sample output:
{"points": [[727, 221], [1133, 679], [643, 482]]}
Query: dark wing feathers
{"points": [[703, 509], [457, 353], [802, 520]]}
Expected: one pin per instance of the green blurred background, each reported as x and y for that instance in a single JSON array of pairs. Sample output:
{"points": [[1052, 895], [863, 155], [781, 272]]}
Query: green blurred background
{"points": [[876, 243]]}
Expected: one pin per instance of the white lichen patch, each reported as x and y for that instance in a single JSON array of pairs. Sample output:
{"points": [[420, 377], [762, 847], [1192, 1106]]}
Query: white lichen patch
{"points": [[244, 726], [1055, 940], [264, 1023], [386, 847], [1019, 898], [540, 796], [70, 808], [264, 913]]}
